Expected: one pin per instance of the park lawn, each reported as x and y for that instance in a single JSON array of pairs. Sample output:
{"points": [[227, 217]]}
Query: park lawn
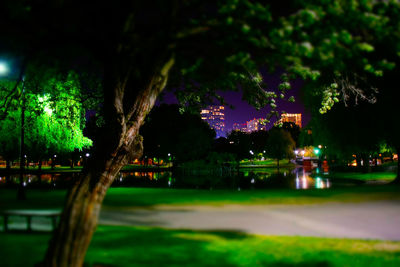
{"points": [[142, 197], [269, 163], [382, 176], [144, 246]]}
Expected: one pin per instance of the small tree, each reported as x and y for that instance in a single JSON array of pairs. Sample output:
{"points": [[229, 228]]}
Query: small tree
{"points": [[184, 135], [280, 145]]}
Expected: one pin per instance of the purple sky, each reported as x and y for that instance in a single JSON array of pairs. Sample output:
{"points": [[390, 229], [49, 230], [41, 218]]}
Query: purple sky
{"points": [[243, 112]]}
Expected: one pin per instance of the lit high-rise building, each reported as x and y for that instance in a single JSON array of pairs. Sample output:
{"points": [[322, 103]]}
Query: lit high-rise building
{"points": [[291, 117], [215, 117], [255, 125], [242, 127], [250, 126]]}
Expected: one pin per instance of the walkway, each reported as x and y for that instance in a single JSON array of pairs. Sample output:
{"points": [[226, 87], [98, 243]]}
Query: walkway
{"points": [[367, 220]]}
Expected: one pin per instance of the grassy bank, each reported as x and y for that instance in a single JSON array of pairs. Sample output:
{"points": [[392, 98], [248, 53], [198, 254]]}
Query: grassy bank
{"points": [[139, 246], [128, 197], [269, 163], [382, 176]]}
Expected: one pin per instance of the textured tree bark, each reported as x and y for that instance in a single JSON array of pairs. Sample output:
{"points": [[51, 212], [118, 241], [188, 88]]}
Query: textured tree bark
{"points": [[79, 218]]}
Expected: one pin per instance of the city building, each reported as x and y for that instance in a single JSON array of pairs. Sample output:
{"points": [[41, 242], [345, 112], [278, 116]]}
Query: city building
{"points": [[242, 127], [215, 117], [255, 125], [291, 117], [250, 126]]}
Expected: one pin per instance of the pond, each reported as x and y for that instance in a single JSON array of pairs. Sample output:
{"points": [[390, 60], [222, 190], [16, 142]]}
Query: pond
{"points": [[256, 178]]}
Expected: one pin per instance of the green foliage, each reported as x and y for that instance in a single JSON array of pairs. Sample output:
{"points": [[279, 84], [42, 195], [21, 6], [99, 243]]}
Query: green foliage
{"points": [[54, 118], [9, 136]]}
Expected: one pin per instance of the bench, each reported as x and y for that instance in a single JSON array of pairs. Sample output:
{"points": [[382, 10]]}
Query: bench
{"points": [[52, 214]]}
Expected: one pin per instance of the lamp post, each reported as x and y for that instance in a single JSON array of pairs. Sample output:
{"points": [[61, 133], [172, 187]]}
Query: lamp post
{"points": [[21, 190], [3, 72]]}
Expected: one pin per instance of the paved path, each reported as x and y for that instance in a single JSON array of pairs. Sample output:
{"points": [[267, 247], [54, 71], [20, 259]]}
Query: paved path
{"points": [[368, 220]]}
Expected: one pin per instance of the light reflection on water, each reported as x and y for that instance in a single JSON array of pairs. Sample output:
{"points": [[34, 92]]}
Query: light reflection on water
{"points": [[305, 181], [245, 179]]}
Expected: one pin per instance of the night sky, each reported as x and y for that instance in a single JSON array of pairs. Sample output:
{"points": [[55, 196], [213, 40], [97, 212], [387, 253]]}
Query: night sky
{"points": [[243, 112]]}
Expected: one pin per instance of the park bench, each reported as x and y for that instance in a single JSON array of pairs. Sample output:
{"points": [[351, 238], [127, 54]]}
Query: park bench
{"points": [[28, 214]]}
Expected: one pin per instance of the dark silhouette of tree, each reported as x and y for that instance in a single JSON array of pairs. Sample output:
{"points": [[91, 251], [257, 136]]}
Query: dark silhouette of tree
{"points": [[184, 136], [258, 141], [293, 129], [280, 145], [240, 144]]}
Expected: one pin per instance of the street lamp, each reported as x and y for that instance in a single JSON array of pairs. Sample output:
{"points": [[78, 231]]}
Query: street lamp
{"points": [[3, 68]]}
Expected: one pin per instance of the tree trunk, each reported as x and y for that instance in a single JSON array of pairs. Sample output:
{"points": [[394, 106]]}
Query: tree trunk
{"points": [[366, 168], [79, 218], [358, 160], [119, 143], [397, 179], [8, 171]]}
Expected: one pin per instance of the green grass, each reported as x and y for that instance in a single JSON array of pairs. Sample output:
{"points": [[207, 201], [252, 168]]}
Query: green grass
{"points": [[385, 176], [269, 163], [128, 197], [142, 246]]}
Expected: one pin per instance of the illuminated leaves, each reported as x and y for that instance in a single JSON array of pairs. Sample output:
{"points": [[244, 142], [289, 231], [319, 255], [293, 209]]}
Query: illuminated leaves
{"points": [[329, 98], [54, 119]]}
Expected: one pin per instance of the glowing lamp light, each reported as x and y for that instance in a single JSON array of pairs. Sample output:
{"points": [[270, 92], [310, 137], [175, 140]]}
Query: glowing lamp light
{"points": [[316, 151], [3, 68]]}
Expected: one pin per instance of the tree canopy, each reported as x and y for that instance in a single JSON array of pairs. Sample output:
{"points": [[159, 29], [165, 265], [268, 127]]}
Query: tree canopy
{"points": [[183, 136], [54, 117], [280, 145]]}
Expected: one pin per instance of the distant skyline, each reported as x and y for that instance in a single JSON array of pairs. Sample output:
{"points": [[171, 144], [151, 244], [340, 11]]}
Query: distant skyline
{"points": [[243, 112]]}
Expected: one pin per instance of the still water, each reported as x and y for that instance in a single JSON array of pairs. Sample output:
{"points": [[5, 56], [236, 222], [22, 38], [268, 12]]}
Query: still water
{"points": [[242, 180]]}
